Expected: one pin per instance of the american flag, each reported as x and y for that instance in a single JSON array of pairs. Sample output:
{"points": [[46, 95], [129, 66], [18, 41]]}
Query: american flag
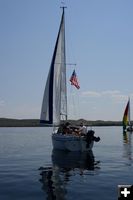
{"points": [[74, 80]]}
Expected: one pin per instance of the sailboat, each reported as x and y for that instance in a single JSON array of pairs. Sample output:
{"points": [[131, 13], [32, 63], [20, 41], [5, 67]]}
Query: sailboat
{"points": [[126, 118], [54, 105]]}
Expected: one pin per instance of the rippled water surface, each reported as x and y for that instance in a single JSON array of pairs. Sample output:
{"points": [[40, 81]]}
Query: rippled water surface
{"points": [[29, 169]]}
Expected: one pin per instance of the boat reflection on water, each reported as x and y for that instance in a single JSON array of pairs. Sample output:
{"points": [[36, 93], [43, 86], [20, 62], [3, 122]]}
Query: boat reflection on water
{"points": [[73, 160], [127, 146], [65, 165]]}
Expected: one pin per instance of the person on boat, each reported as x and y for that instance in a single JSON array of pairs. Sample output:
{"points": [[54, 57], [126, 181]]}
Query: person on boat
{"points": [[65, 128], [83, 129], [90, 137]]}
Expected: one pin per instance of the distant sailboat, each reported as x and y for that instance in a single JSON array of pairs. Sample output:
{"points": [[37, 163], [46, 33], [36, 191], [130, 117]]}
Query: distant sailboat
{"points": [[54, 106], [126, 118]]}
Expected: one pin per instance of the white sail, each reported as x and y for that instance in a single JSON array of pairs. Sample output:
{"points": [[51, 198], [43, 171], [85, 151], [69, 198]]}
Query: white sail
{"points": [[54, 104]]}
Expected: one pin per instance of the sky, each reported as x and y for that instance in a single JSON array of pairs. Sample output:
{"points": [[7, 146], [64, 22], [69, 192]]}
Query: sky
{"points": [[99, 39]]}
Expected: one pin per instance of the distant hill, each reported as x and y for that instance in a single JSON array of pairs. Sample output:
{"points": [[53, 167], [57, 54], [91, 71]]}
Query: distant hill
{"points": [[7, 122], [96, 122]]}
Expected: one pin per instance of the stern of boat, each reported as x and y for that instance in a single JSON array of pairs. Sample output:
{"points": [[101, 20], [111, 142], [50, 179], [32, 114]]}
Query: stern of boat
{"points": [[70, 143]]}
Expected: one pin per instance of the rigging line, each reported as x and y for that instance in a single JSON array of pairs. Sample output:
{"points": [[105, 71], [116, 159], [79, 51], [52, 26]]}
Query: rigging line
{"points": [[72, 100], [78, 105], [74, 103]]}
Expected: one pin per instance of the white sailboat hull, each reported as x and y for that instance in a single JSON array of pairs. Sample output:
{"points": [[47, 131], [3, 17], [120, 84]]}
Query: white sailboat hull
{"points": [[70, 143]]}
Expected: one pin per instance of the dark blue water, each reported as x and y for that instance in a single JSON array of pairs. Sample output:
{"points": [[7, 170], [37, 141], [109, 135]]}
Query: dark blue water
{"points": [[29, 169]]}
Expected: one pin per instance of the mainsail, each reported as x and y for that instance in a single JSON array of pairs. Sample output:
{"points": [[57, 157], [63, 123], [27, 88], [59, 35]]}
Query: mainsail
{"points": [[54, 105]]}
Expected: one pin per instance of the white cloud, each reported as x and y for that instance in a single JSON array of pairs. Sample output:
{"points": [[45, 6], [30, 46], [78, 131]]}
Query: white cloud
{"points": [[110, 92], [91, 94]]}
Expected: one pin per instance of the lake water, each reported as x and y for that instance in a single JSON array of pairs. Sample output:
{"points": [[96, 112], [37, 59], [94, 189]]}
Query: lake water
{"points": [[30, 170]]}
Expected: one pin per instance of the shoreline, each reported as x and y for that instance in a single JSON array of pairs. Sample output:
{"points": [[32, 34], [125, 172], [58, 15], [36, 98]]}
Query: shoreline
{"points": [[8, 122]]}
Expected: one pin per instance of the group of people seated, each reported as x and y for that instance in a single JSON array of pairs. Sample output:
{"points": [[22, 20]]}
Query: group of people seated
{"points": [[75, 130], [78, 131]]}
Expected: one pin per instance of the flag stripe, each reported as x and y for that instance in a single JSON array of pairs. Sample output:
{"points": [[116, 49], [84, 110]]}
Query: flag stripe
{"points": [[74, 80]]}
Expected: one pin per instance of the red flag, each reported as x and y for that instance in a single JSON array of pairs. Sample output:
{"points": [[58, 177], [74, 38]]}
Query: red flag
{"points": [[74, 80]]}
